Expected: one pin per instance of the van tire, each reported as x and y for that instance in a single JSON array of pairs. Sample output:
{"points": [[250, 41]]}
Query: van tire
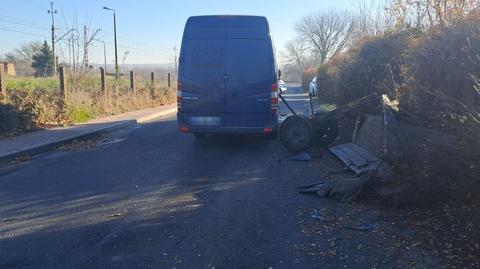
{"points": [[296, 133]]}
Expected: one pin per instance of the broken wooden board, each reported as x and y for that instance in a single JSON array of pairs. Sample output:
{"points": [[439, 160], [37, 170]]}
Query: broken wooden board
{"points": [[356, 158]]}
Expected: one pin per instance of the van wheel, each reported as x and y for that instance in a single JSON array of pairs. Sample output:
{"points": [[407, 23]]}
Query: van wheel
{"points": [[199, 135], [296, 133]]}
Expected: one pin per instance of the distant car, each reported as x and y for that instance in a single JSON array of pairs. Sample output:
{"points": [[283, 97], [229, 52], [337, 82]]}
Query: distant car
{"points": [[313, 86], [282, 86]]}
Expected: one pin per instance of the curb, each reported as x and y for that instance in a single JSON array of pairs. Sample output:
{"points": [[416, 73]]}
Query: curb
{"points": [[37, 149], [156, 115]]}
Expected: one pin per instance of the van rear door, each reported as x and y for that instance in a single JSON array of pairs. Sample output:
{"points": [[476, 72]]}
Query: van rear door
{"points": [[249, 77], [203, 82]]}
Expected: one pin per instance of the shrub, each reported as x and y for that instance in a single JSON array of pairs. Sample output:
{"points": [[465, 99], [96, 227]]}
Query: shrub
{"points": [[327, 79], [443, 62], [374, 67], [44, 107], [307, 76], [36, 102]]}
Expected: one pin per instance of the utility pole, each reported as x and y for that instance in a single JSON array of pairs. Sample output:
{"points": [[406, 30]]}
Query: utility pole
{"points": [[74, 58], [52, 11], [104, 54], [175, 53], [104, 57], [85, 47], [115, 37], [86, 42]]}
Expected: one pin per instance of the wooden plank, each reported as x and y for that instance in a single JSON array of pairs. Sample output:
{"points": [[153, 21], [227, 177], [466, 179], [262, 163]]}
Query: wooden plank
{"points": [[356, 158]]}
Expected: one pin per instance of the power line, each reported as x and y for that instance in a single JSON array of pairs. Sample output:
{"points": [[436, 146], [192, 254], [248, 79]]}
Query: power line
{"points": [[21, 32], [135, 44], [21, 22], [135, 50], [24, 24]]}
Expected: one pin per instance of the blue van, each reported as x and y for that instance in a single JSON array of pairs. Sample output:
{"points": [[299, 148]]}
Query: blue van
{"points": [[227, 81]]}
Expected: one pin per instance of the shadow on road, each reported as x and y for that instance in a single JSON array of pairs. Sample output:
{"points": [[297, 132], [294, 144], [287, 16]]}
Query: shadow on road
{"points": [[158, 197]]}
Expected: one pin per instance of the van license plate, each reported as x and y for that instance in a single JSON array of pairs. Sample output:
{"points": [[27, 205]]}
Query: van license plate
{"points": [[205, 121]]}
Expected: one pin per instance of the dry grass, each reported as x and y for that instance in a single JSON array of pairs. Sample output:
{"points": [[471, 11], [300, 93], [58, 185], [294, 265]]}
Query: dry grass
{"points": [[36, 102]]}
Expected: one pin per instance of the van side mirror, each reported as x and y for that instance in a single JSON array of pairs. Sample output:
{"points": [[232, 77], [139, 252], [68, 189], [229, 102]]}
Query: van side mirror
{"points": [[279, 73]]}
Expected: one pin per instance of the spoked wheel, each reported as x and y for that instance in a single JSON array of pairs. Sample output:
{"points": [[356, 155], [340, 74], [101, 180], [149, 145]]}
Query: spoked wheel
{"points": [[296, 133]]}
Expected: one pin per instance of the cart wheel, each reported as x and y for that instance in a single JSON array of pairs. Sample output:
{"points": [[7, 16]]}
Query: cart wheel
{"points": [[327, 132], [296, 133]]}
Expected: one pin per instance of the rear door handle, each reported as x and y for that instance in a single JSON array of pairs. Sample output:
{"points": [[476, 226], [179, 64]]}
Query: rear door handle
{"points": [[226, 77]]}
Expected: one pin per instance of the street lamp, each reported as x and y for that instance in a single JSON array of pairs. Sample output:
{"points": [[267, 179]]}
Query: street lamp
{"points": [[115, 37]]}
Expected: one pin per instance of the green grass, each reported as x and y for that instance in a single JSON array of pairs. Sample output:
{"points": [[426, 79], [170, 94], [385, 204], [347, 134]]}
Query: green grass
{"points": [[31, 83], [40, 98], [81, 113]]}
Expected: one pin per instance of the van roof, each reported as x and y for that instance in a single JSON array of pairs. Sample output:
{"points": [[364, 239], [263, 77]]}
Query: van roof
{"points": [[230, 20]]}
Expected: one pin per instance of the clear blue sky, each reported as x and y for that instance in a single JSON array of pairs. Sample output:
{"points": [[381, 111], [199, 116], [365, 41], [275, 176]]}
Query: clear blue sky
{"points": [[148, 29]]}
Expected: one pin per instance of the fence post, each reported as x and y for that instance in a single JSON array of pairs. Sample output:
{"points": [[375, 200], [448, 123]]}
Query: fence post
{"points": [[104, 85], [152, 85], [63, 85], [3, 91], [168, 80], [132, 81]]}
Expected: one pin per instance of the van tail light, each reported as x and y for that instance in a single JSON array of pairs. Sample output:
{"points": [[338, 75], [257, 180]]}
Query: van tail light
{"points": [[184, 129], [179, 96], [274, 99]]}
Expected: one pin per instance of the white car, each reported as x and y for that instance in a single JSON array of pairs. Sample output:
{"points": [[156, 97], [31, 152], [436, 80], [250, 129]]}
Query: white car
{"points": [[313, 86], [282, 86]]}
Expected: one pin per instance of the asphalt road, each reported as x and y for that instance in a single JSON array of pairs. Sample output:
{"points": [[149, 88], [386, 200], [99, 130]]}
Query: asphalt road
{"points": [[151, 197]]}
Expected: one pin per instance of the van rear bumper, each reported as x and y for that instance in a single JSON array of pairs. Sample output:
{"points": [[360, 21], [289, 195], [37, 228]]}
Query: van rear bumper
{"points": [[188, 128]]}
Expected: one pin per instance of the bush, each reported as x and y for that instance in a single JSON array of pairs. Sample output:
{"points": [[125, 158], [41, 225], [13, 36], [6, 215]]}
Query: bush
{"points": [[442, 63], [12, 119], [435, 78], [327, 79], [307, 76], [36, 102], [44, 107], [374, 67]]}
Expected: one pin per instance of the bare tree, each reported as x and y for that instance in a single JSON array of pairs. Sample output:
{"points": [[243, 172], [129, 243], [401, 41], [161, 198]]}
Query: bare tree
{"points": [[23, 57], [371, 18], [326, 33], [295, 53], [428, 13]]}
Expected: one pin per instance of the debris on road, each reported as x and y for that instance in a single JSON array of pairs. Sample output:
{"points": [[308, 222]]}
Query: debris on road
{"points": [[79, 145], [357, 159], [345, 189], [361, 227], [317, 215], [302, 157]]}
